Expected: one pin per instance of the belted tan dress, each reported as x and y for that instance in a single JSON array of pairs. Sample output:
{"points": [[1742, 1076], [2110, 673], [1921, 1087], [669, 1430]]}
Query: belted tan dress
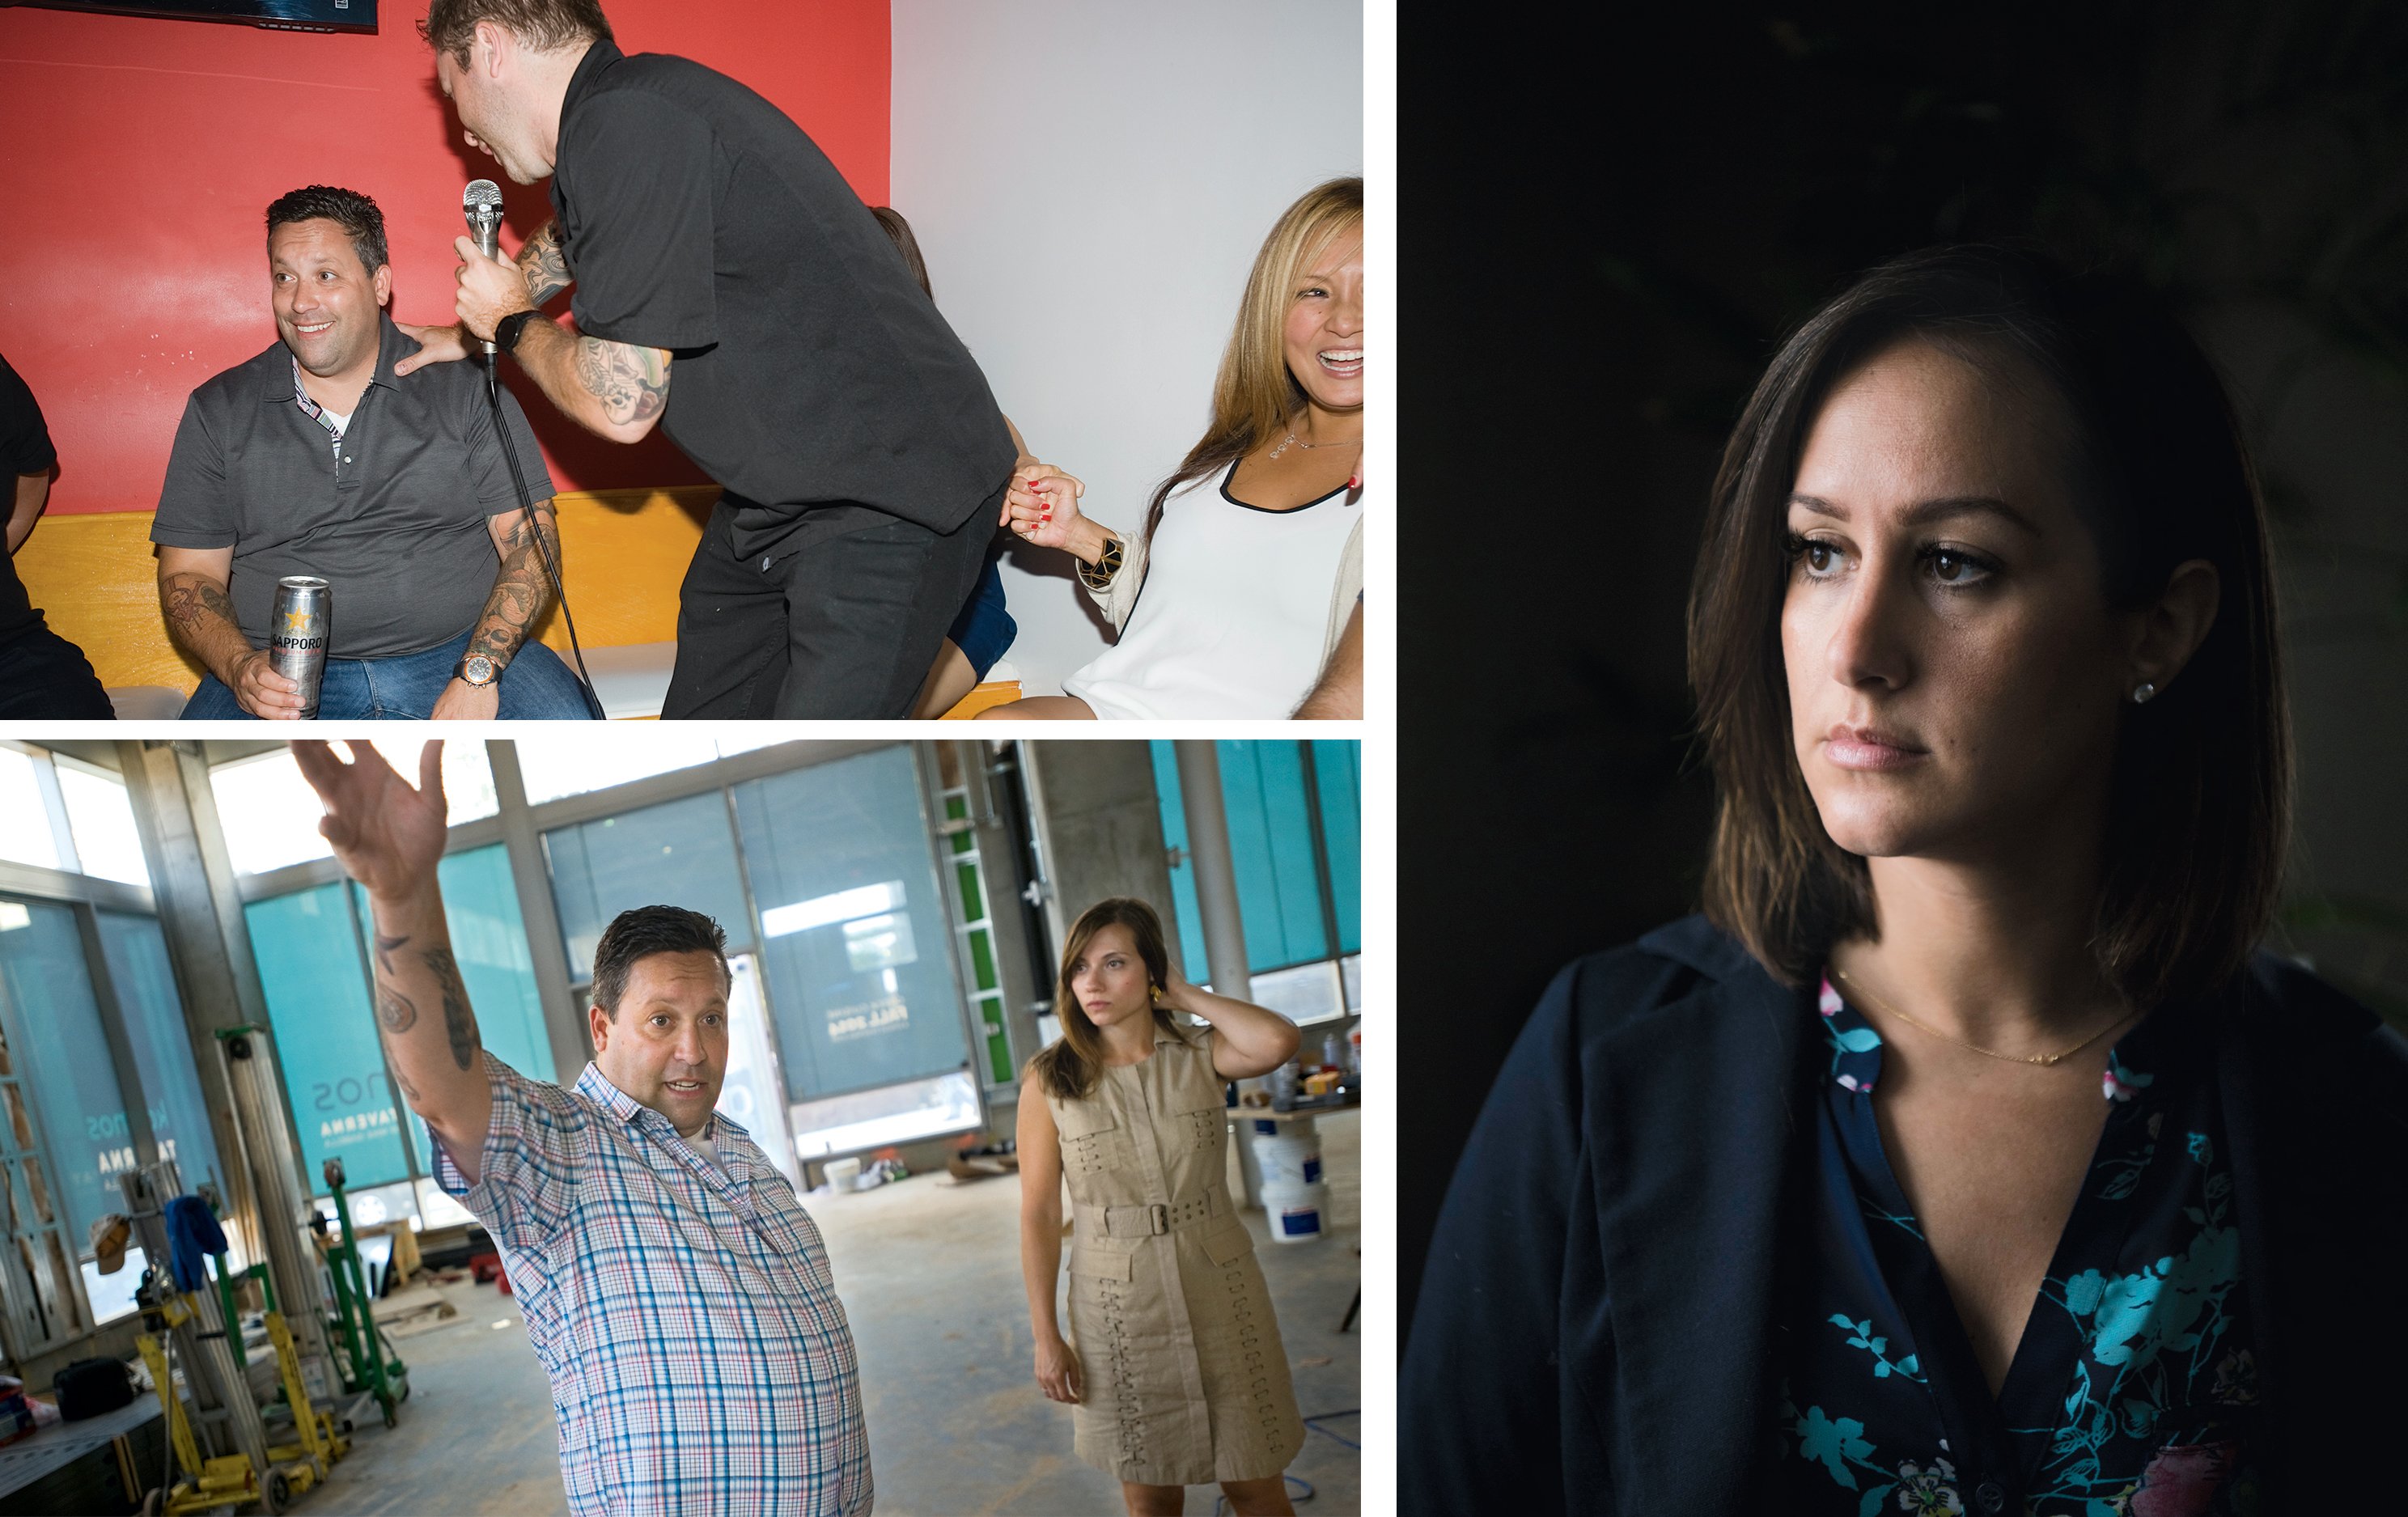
{"points": [[1183, 1378]]}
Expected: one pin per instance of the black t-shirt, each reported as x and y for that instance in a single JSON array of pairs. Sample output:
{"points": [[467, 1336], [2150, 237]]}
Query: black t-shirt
{"points": [[811, 376], [25, 448]]}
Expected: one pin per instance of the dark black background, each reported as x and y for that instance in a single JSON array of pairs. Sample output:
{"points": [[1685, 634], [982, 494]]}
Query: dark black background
{"points": [[1607, 226]]}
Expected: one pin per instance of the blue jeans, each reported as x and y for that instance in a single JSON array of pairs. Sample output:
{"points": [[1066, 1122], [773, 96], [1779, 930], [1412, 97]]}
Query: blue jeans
{"points": [[536, 687]]}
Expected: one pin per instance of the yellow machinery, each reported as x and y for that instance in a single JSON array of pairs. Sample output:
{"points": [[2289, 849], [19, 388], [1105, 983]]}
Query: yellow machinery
{"points": [[229, 1480]]}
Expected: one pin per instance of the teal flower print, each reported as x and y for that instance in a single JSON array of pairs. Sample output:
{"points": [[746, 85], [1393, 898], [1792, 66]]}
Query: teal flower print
{"points": [[1834, 1444]]}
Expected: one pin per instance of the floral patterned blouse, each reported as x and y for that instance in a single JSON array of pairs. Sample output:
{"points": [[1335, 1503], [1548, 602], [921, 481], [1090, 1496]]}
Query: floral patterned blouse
{"points": [[2133, 1388]]}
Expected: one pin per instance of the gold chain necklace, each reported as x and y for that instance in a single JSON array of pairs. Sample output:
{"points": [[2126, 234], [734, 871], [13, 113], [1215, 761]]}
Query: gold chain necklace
{"points": [[2044, 1060]]}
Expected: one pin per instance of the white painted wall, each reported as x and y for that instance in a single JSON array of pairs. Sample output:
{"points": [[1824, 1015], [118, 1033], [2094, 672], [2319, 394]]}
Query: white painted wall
{"points": [[1090, 181]]}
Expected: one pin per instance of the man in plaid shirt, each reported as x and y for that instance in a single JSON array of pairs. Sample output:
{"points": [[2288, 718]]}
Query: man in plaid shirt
{"points": [[675, 1291]]}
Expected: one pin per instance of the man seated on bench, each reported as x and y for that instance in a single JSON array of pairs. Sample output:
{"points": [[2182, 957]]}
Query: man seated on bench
{"points": [[314, 459]]}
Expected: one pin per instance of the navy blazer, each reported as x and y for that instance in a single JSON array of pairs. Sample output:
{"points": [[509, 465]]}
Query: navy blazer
{"points": [[1594, 1330]]}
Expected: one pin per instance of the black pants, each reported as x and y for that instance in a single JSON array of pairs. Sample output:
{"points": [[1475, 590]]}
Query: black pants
{"points": [[846, 627], [44, 675]]}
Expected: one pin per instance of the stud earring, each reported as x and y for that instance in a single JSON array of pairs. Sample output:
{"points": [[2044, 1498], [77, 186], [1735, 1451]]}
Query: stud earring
{"points": [[2142, 692]]}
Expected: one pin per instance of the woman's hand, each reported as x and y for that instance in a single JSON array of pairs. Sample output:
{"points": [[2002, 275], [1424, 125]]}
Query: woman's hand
{"points": [[1057, 1369], [1042, 506]]}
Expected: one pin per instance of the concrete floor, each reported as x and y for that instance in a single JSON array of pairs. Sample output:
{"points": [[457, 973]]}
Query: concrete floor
{"points": [[929, 1273]]}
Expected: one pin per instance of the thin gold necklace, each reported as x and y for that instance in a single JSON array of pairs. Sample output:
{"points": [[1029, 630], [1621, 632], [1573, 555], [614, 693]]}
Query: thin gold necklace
{"points": [[2044, 1060]]}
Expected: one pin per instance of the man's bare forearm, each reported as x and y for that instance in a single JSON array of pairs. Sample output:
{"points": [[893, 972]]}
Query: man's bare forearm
{"points": [[522, 589], [611, 388], [430, 1035], [200, 617]]}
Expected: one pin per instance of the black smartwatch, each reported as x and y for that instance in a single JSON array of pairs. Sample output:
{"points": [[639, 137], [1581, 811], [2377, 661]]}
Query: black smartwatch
{"points": [[507, 330]]}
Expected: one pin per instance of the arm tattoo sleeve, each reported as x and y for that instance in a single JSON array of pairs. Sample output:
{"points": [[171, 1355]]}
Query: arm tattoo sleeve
{"points": [[543, 264], [631, 382], [521, 591], [459, 1024]]}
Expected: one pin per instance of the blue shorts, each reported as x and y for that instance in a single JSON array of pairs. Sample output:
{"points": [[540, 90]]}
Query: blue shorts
{"points": [[984, 630]]}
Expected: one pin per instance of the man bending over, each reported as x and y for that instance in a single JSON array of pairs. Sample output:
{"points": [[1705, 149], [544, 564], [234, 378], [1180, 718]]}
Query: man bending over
{"points": [[675, 1290], [315, 459]]}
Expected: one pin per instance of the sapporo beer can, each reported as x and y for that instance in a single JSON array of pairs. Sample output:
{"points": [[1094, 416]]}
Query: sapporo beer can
{"points": [[297, 635]]}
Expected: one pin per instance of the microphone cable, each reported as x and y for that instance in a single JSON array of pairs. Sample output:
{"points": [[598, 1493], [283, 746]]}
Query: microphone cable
{"points": [[542, 549]]}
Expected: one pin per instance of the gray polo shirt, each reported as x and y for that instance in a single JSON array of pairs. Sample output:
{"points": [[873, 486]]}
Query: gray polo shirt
{"points": [[395, 518]]}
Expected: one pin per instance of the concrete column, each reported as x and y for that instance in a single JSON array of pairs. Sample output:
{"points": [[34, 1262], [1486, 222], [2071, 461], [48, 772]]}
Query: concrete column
{"points": [[1216, 873], [1100, 825], [564, 1020]]}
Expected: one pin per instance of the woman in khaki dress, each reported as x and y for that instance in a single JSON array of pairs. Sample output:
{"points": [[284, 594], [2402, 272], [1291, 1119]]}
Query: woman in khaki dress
{"points": [[1177, 1374]]}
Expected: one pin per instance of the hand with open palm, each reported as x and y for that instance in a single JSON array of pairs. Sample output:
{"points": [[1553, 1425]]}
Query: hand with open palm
{"points": [[386, 835]]}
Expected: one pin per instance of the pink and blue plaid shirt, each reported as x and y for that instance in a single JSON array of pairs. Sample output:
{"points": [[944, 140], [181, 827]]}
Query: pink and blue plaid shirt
{"points": [[700, 1358]]}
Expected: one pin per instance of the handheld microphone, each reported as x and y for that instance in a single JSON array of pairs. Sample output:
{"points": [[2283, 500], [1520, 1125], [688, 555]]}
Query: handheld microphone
{"points": [[481, 204]]}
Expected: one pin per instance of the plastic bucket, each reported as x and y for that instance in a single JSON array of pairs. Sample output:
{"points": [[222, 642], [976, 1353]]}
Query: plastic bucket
{"points": [[1289, 1160], [842, 1174], [1297, 1213]]}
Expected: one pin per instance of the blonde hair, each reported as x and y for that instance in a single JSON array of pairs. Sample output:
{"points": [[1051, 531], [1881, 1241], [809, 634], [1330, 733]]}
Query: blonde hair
{"points": [[1255, 398], [1067, 1068]]}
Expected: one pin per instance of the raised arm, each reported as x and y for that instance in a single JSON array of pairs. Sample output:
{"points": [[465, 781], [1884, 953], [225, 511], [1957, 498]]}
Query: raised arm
{"points": [[521, 592], [1253, 1040], [200, 617], [1039, 1149], [390, 838]]}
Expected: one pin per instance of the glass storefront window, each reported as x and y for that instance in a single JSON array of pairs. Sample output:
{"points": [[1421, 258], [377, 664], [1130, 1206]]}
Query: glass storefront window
{"points": [[553, 767], [136, 952], [25, 834], [269, 814], [63, 1060], [854, 930], [316, 982], [101, 817], [677, 853]]}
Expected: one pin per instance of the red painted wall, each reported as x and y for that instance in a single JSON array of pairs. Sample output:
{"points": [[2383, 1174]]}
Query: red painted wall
{"points": [[137, 158]]}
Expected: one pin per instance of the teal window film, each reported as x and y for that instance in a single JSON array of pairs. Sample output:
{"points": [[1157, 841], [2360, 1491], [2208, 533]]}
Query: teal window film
{"points": [[854, 924], [1271, 843], [1183, 874], [62, 1060], [678, 853], [1338, 784], [136, 951], [313, 970]]}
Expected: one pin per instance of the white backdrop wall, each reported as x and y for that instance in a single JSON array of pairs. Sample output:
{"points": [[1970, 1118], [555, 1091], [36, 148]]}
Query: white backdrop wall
{"points": [[1089, 180]]}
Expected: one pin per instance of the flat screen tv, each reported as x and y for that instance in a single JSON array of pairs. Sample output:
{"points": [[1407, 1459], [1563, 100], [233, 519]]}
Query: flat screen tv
{"points": [[297, 15]]}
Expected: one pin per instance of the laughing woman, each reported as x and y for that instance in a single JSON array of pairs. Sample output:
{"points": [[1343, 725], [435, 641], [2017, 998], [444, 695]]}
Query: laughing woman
{"points": [[1243, 596], [1964, 1156], [1173, 1361]]}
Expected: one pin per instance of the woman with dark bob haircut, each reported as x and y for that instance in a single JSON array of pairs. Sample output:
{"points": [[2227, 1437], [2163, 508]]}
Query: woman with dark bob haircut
{"points": [[1964, 1156]]}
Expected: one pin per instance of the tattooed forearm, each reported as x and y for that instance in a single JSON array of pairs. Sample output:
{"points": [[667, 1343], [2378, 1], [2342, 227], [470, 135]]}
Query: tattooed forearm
{"points": [[522, 589], [409, 1091], [543, 264], [395, 1013], [632, 383], [191, 602], [384, 947], [459, 1024]]}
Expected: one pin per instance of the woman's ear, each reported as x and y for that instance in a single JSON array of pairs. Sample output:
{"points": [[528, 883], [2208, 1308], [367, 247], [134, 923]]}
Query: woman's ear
{"points": [[2170, 628]]}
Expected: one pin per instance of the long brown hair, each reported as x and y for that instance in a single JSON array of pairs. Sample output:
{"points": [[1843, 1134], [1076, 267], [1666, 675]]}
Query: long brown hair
{"points": [[1255, 398], [2200, 798], [1068, 1069]]}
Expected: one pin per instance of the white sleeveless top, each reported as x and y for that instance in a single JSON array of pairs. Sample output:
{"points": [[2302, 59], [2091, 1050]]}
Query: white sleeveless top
{"points": [[1233, 617]]}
